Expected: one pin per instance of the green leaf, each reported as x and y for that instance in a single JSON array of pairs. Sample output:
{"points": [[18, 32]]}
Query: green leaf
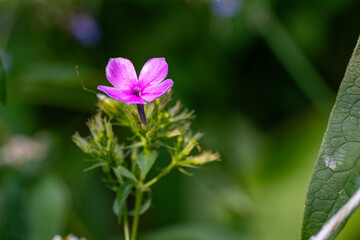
{"points": [[96, 165], [122, 171], [145, 161], [121, 196], [2, 84], [337, 172], [144, 207]]}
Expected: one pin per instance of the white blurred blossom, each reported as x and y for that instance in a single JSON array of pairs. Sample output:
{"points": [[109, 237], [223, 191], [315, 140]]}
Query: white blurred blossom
{"points": [[21, 149]]}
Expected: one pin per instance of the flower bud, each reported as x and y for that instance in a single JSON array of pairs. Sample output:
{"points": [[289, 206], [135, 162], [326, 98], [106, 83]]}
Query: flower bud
{"points": [[201, 159], [96, 128], [191, 143], [173, 133], [82, 143], [109, 105]]}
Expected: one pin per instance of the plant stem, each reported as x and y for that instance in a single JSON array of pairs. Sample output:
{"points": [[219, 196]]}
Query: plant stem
{"points": [[126, 225], [140, 108], [138, 199], [160, 175]]}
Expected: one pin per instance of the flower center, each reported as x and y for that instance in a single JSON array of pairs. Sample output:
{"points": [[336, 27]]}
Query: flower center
{"points": [[136, 91]]}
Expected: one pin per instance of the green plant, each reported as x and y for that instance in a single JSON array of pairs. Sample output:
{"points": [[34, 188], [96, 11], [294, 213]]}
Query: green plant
{"points": [[127, 164]]}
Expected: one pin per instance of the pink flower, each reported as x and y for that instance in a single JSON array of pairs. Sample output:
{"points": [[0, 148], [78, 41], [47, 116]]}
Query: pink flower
{"points": [[129, 88]]}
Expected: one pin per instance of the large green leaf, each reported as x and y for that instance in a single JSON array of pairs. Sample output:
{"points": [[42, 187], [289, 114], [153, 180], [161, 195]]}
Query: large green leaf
{"points": [[337, 172]]}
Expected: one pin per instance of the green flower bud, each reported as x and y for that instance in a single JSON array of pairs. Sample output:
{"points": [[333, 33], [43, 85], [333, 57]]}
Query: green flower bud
{"points": [[191, 143], [201, 159], [82, 143]]}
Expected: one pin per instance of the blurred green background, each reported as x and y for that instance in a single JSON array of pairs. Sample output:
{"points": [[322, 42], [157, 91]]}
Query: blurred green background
{"points": [[261, 75]]}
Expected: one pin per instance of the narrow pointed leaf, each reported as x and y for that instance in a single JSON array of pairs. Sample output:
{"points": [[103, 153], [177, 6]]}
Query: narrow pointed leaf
{"points": [[96, 165], [122, 171], [121, 196], [144, 207], [145, 161], [337, 172]]}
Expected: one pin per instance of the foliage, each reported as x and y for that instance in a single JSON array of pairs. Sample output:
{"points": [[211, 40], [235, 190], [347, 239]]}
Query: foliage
{"points": [[126, 165], [336, 176]]}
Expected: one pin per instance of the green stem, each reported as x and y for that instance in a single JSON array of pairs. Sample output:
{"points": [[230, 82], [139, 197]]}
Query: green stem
{"points": [[289, 54], [138, 199], [126, 225], [161, 174]]}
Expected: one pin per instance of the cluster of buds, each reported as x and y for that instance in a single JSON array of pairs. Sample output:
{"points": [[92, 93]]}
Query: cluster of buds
{"points": [[127, 164]]}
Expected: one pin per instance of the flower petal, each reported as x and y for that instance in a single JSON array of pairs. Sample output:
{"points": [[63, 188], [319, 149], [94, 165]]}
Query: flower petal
{"points": [[121, 73], [149, 94], [121, 95], [154, 71]]}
